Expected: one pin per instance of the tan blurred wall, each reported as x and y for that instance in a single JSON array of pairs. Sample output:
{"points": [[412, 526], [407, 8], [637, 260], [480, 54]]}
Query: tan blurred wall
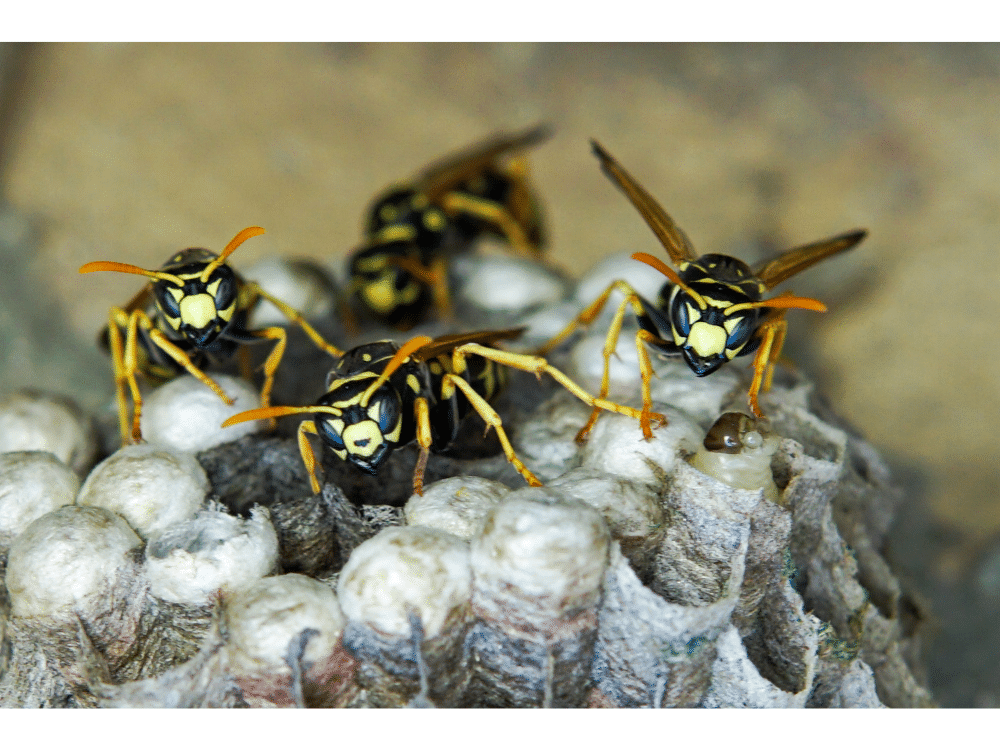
{"points": [[129, 152]]}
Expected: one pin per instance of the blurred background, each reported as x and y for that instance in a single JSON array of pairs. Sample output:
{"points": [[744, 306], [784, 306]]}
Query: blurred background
{"points": [[132, 151]]}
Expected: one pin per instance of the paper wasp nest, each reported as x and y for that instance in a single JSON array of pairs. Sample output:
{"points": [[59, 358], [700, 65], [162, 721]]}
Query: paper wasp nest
{"points": [[643, 574]]}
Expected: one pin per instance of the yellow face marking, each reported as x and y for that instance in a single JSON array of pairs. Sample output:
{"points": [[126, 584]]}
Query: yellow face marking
{"points": [[198, 310], [362, 439], [419, 201], [411, 380], [706, 339], [174, 323], [366, 357], [381, 295], [213, 287], [334, 385], [388, 213], [435, 367], [694, 314], [175, 292], [227, 314], [731, 323], [717, 302], [374, 411]]}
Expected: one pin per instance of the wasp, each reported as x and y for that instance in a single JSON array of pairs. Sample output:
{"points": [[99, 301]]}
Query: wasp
{"points": [[710, 310], [401, 270], [194, 311], [381, 396]]}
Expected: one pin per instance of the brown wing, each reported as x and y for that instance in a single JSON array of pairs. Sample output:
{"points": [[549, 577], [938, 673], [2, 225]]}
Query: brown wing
{"points": [[445, 344], [670, 235], [444, 175], [775, 270]]}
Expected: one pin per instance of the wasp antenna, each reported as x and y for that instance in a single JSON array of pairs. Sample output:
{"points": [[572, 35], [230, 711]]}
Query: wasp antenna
{"points": [[598, 150], [397, 359], [234, 243], [783, 302], [671, 274], [270, 412], [111, 265]]}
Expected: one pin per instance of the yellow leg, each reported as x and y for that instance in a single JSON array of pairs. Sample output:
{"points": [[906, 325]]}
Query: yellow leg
{"points": [[295, 317], [494, 214], [589, 314], [308, 455], [130, 366], [489, 415], [181, 357], [280, 338], [586, 317], [772, 334], [539, 365], [424, 439], [117, 320]]}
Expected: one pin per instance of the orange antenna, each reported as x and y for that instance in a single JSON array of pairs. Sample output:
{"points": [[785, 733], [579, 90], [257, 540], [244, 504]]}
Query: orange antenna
{"points": [[234, 243], [397, 359], [270, 412], [110, 265], [659, 265], [782, 301]]}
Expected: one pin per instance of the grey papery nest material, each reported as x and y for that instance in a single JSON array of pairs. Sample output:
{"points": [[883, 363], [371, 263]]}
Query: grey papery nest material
{"points": [[645, 573]]}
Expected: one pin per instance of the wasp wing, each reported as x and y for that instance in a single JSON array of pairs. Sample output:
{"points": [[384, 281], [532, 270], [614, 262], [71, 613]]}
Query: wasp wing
{"points": [[446, 174], [785, 265], [671, 236], [445, 344]]}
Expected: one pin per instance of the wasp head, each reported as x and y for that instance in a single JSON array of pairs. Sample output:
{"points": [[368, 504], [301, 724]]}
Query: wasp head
{"points": [[196, 305], [709, 331], [364, 432]]}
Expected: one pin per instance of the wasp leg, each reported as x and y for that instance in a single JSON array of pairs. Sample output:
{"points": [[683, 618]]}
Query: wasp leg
{"points": [[489, 415], [434, 275], [280, 337], [296, 317], [772, 333], [494, 214], [538, 365], [117, 320], [179, 356], [422, 413], [586, 317], [308, 455]]}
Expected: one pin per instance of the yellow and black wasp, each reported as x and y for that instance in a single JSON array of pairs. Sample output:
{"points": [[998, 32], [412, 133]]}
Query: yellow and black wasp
{"points": [[402, 269], [711, 310], [381, 396], [195, 310]]}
